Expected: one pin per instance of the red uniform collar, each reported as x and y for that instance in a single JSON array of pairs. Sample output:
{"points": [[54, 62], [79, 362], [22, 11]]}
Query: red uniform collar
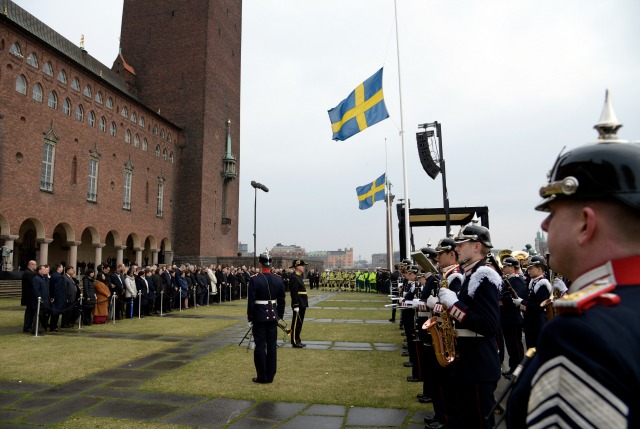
{"points": [[620, 272], [266, 271]]}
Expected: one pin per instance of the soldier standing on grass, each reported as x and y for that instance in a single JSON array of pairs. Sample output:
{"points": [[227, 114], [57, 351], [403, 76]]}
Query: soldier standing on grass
{"points": [[299, 302]]}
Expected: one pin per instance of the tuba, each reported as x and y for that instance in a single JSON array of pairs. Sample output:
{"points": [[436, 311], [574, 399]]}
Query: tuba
{"points": [[443, 333], [503, 254]]}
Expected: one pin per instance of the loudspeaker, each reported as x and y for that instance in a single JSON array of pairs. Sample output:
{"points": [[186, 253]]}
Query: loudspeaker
{"points": [[428, 163]]}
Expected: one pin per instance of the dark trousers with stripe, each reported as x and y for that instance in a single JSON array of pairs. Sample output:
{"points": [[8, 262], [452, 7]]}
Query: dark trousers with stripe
{"points": [[265, 355], [296, 325], [513, 343], [469, 404]]}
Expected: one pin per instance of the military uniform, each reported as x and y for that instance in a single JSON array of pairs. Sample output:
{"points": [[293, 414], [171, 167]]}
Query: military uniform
{"points": [[587, 368], [534, 315], [511, 321], [299, 301]]}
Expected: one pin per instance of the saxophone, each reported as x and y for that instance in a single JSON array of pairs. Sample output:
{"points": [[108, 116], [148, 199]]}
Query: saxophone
{"points": [[443, 333]]}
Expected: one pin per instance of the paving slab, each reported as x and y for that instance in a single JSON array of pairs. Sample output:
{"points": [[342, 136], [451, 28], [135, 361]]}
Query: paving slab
{"points": [[248, 423], [35, 403], [143, 361], [180, 349], [359, 349], [112, 393], [7, 415], [7, 399], [130, 409], [326, 410], [419, 416], [318, 347], [315, 422], [212, 414], [276, 410], [71, 388], [127, 384], [171, 399], [365, 416], [18, 386], [351, 344], [190, 356], [124, 374], [19, 426], [166, 365], [62, 410]]}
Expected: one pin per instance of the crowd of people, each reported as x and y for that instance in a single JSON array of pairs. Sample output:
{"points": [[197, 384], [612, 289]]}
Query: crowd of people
{"points": [[55, 297]]}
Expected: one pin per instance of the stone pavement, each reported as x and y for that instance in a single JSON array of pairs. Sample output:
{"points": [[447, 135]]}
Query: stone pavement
{"points": [[113, 393]]}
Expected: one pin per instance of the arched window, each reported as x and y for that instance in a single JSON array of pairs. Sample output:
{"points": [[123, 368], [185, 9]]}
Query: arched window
{"points": [[109, 103], [158, 151], [32, 60], [127, 137], [37, 92], [103, 124], [155, 129], [62, 77], [162, 133], [169, 138], [134, 118], [21, 85], [66, 107], [112, 129], [171, 157], [75, 84], [99, 97], [79, 113], [48, 159], [15, 50], [48, 69], [164, 155], [144, 144], [53, 100], [91, 119], [136, 141], [87, 91], [92, 186], [125, 111], [141, 121]]}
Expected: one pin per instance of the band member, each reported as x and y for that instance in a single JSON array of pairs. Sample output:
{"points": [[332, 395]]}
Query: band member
{"points": [[474, 374], [510, 316], [407, 315], [265, 306], [299, 302], [394, 291], [539, 290], [586, 370], [427, 283]]}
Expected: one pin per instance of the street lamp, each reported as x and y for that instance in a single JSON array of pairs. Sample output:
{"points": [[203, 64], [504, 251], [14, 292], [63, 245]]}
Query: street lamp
{"points": [[256, 186]]}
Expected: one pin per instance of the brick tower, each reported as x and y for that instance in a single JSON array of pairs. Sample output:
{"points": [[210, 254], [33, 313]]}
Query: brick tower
{"points": [[186, 57]]}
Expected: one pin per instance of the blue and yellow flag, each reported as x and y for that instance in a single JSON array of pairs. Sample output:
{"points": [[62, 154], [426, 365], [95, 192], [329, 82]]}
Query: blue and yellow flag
{"points": [[361, 109], [371, 192]]}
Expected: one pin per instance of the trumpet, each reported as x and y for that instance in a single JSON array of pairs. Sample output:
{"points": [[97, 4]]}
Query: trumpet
{"points": [[283, 325]]}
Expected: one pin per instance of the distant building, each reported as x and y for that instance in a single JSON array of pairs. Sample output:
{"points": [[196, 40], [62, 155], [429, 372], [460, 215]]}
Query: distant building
{"points": [[379, 260], [541, 243], [339, 258], [288, 252], [243, 249]]}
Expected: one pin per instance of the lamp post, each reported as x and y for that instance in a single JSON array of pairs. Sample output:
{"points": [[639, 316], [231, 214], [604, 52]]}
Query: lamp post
{"points": [[256, 186]]}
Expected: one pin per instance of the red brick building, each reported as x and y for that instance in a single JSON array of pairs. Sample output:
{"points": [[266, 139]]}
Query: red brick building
{"points": [[131, 162]]}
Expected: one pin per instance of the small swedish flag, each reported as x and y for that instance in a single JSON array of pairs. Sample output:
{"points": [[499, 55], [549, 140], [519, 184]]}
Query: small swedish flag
{"points": [[371, 192], [361, 109]]}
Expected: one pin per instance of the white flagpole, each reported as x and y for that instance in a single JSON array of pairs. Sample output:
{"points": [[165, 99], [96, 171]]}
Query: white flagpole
{"points": [[407, 232], [389, 210]]}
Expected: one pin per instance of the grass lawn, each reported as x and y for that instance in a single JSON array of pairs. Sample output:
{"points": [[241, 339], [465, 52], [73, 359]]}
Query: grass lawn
{"points": [[352, 332], [351, 378], [320, 313], [83, 422]]}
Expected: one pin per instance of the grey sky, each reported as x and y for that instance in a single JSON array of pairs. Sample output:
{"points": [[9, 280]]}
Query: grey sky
{"points": [[511, 82]]}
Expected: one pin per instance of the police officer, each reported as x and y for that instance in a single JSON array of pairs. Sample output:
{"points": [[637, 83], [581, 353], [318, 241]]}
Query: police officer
{"points": [[539, 290], [586, 371], [474, 375], [265, 306], [299, 302], [510, 316]]}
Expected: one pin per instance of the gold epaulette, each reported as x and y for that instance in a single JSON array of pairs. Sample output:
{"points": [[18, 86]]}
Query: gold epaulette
{"points": [[597, 293]]}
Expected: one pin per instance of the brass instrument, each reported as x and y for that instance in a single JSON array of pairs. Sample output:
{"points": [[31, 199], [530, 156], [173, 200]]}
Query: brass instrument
{"points": [[505, 281], [443, 334], [283, 325], [503, 254], [521, 256], [547, 304]]}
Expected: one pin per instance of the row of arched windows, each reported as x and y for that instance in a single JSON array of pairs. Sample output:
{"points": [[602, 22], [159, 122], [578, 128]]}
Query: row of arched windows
{"points": [[33, 61]]}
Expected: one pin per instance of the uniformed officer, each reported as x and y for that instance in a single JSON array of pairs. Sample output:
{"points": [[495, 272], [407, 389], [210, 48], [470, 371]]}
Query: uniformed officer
{"points": [[586, 371], [539, 290], [475, 373], [408, 320], [299, 302], [265, 306], [510, 316]]}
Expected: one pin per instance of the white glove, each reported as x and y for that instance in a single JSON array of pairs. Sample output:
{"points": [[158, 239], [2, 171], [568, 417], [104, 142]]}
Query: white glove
{"points": [[432, 301], [516, 301], [447, 297], [296, 309]]}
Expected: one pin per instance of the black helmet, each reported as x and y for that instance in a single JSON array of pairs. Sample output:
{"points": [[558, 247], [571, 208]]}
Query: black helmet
{"points": [[596, 171], [510, 261], [474, 232], [265, 259], [446, 245], [537, 260], [413, 269], [429, 252]]}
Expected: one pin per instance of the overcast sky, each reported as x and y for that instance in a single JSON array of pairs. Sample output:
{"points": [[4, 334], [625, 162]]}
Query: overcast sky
{"points": [[511, 83]]}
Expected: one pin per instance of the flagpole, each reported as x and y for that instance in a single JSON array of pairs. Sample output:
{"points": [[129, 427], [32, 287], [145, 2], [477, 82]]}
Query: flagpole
{"points": [[389, 212], [407, 232]]}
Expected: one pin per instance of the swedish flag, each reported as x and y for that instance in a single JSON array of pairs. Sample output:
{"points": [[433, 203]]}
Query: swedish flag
{"points": [[372, 192], [361, 109]]}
